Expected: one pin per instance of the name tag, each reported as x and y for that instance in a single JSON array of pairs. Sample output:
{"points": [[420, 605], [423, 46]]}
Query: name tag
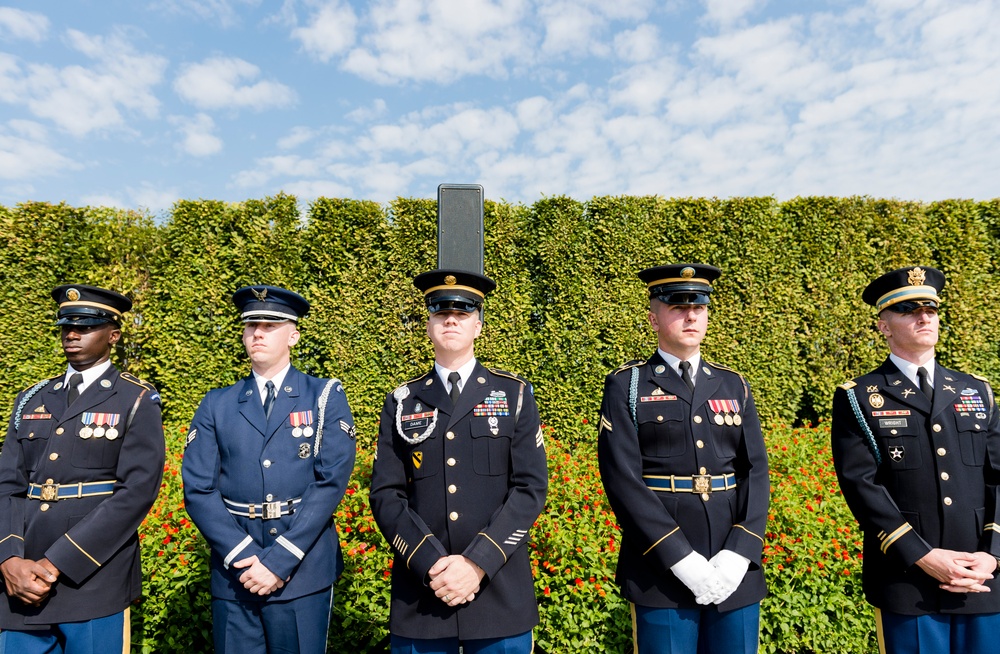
{"points": [[888, 423]]}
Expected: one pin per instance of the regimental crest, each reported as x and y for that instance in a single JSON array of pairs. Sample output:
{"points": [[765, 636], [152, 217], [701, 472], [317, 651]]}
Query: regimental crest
{"points": [[916, 276], [876, 400], [260, 295], [896, 452]]}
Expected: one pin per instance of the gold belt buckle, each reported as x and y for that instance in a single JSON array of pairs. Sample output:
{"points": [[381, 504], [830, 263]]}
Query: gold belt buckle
{"points": [[702, 483], [271, 510], [50, 492]]}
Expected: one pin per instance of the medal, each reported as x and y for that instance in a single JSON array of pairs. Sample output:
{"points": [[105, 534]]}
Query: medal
{"points": [[719, 419], [111, 434], [494, 425], [86, 433], [297, 432], [98, 432], [729, 420], [307, 432], [737, 420]]}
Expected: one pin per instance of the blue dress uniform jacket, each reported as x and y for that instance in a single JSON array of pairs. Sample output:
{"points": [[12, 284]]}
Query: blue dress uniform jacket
{"points": [[471, 488], [234, 454], [678, 434], [91, 540], [934, 482]]}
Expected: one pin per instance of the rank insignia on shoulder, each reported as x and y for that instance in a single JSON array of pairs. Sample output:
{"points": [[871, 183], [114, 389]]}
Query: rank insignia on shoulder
{"points": [[190, 437], [539, 438], [605, 424], [350, 430]]}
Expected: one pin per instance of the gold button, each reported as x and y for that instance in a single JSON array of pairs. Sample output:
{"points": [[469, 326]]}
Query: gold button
{"points": [[450, 435], [453, 488], [31, 435], [893, 432], [659, 418], [43, 507], [702, 470], [50, 481], [947, 501], [452, 462], [697, 420], [453, 515], [945, 476], [699, 444], [267, 464], [936, 427], [941, 451], [977, 426], [53, 456], [60, 430]]}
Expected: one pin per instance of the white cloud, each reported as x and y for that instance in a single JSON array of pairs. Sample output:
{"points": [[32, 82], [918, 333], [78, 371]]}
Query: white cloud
{"points": [[26, 154], [197, 132], [308, 190], [296, 137], [20, 24], [80, 99], [726, 12], [228, 83], [329, 32], [226, 12]]}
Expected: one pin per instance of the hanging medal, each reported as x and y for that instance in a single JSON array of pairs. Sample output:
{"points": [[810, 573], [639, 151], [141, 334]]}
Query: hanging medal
{"points": [[88, 419], [494, 425], [99, 420], [112, 421]]}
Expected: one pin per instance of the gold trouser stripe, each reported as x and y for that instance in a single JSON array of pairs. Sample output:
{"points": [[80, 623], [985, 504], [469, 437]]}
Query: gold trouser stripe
{"points": [[659, 541], [127, 631], [749, 532], [426, 536], [82, 550], [486, 536], [635, 629], [879, 634]]}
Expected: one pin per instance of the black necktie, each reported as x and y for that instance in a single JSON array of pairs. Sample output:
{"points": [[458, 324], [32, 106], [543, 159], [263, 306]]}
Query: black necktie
{"points": [[686, 374], [75, 381], [925, 384], [454, 378], [268, 399]]}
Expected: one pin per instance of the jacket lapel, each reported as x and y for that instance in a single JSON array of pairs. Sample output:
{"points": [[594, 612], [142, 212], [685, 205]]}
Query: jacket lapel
{"points": [[477, 387], [251, 405], [705, 385], [664, 376], [946, 389], [430, 392], [901, 389]]}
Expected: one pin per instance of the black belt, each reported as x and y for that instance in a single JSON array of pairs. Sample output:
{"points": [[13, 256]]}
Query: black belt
{"points": [[264, 511], [692, 484]]}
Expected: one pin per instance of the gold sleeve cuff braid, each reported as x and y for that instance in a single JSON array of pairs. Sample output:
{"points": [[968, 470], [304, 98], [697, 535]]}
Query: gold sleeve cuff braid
{"points": [[415, 550], [660, 541], [889, 539], [749, 532], [83, 551], [486, 536]]}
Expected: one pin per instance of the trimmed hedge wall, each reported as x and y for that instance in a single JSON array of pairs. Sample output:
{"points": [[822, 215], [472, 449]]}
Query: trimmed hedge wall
{"points": [[569, 307]]}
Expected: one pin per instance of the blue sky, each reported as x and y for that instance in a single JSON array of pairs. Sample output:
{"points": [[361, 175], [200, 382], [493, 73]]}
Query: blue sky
{"points": [[139, 104]]}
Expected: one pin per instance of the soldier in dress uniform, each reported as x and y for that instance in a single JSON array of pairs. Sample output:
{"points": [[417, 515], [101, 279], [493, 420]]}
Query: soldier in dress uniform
{"points": [[459, 478], [917, 452], [80, 468], [267, 461], [684, 466]]}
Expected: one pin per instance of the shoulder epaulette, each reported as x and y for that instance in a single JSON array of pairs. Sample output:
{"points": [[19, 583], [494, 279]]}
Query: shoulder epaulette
{"points": [[980, 378], [634, 363], [719, 366], [848, 385], [47, 381], [129, 377], [508, 375]]}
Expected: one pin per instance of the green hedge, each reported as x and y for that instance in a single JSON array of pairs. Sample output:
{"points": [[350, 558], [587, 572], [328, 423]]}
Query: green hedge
{"points": [[569, 307]]}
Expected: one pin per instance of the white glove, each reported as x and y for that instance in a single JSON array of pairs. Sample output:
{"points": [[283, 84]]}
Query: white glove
{"points": [[701, 578], [731, 567]]}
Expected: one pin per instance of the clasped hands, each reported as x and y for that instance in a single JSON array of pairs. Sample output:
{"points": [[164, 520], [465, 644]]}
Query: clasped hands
{"points": [[455, 579], [257, 578], [711, 581], [27, 580], [959, 572]]}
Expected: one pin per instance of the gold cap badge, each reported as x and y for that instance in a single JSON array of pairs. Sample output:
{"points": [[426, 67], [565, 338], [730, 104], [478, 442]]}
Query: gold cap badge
{"points": [[450, 279], [687, 273], [261, 295], [916, 277], [72, 295]]}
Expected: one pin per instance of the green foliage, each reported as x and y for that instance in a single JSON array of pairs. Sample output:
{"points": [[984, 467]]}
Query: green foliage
{"points": [[569, 307]]}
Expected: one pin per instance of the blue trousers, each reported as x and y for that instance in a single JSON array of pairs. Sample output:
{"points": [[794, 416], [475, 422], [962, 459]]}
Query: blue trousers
{"points": [[522, 644], [99, 636], [296, 626], [701, 631], [938, 633]]}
